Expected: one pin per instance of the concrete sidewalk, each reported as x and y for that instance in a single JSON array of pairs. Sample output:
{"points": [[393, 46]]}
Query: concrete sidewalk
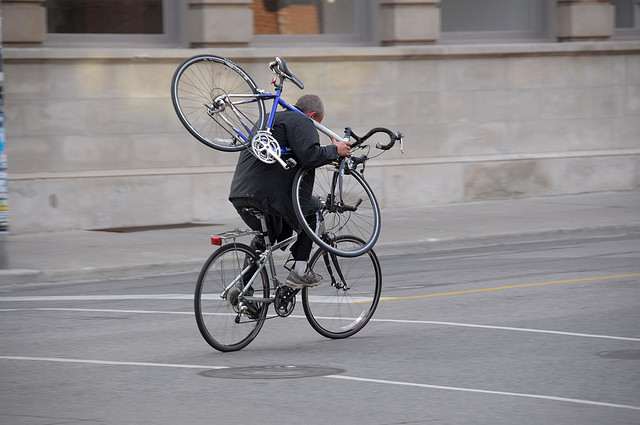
{"points": [[85, 255]]}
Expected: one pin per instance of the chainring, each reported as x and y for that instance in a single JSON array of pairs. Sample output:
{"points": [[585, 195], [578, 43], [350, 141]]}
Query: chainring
{"points": [[265, 147], [285, 300]]}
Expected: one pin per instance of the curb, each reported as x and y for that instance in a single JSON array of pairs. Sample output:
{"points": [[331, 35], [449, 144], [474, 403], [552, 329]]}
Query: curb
{"points": [[22, 276], [434, 245], [17, 276]]}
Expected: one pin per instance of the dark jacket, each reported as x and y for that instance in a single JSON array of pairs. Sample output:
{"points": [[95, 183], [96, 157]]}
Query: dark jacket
{"points": [[269, 185]]}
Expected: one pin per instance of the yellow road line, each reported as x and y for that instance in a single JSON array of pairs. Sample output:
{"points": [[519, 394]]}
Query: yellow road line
{"points": [[511, 287]]}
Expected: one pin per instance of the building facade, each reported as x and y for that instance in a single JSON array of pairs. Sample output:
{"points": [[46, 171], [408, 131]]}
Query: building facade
{"points": [[496, 98]]}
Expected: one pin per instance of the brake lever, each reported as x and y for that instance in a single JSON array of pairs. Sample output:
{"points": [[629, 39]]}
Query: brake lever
{"points": [[401, 139]]}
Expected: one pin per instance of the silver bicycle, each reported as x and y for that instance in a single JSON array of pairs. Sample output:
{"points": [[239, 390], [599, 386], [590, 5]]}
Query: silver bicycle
{"points": [[238, 284]]}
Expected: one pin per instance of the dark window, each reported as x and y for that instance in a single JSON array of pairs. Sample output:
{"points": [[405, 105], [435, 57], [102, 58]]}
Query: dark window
{"points": [[499, 20], [487, 15], [104, 16], [627, 13]]}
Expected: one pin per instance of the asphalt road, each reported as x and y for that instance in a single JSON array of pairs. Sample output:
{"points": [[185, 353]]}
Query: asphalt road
{"points": [[528, 333]]}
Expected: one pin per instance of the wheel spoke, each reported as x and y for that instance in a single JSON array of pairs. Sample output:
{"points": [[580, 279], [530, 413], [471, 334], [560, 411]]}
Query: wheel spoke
{"points": [[195, 86], [336, 310], [217, 314], [338, 218]]}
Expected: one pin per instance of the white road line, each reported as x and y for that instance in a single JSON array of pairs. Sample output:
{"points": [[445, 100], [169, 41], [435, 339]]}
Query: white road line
{"points": [[107, 362], [101, 297], [506, 328], [343, 377], [471, 390], [313, 298], [419, 322], [97, 310]]}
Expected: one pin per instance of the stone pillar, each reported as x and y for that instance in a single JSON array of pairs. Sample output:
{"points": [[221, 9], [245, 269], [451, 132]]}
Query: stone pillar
{"points": [[578, 20], [24, 23], [409, 22], [220, 23]]}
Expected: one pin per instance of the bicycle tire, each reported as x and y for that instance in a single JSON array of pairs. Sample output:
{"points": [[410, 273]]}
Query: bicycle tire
{"points": [[324, 184], [201, 79], [336, 312], [215, 316]]}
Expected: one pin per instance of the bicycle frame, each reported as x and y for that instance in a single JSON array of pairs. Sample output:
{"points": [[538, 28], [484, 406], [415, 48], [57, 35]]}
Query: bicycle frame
{"points": [[277, 101], [330, 261], [265, 257]]}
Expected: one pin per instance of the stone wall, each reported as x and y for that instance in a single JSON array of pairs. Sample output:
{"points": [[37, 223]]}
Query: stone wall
{"points": [[93, 140]]}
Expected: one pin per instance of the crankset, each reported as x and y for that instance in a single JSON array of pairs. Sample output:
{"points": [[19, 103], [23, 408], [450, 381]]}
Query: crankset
{"points": [[285, 300]]}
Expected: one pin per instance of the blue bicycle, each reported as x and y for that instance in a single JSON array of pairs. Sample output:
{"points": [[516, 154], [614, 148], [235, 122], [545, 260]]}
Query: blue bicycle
{"points": [[221, 106]]}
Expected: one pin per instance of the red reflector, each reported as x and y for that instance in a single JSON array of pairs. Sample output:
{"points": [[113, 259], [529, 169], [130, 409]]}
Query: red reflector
{"points": [[215, 240]]}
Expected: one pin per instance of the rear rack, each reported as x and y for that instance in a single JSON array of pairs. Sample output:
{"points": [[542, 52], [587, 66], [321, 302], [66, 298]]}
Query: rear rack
{"points": [[218, 238]]}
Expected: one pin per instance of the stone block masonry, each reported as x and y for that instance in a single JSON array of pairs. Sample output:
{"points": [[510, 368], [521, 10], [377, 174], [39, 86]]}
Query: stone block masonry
{"points": [[93, 141]]}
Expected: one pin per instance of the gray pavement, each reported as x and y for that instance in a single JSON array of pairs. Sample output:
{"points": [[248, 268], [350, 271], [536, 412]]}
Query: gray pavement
{"points": [[87, 255]]}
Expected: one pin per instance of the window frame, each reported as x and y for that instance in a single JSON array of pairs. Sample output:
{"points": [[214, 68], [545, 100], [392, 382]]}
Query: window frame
{"points": [[544, 23], [174, 24], [621, 33], [366, 32]]}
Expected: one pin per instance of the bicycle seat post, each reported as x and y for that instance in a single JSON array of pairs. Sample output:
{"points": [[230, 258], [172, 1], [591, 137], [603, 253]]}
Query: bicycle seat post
{"points": [[263, 224], [265, 229], [267, 244]]}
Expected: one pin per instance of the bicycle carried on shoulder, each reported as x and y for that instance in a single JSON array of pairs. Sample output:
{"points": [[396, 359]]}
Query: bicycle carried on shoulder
{"points": [[221, 106], [238, 284]]}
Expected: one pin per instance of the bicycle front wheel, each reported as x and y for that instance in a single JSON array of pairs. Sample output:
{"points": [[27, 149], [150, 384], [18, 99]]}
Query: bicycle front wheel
{"points": [[218, 307], [216, 102], [348, 296], [346, 204]]}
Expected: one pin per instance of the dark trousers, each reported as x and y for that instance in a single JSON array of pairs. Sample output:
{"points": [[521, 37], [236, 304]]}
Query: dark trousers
{"points": [[278, 228]]}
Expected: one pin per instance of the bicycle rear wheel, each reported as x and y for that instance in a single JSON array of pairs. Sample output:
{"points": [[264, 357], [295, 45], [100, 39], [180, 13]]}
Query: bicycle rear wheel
{"points": [[347, 298], [214, 99], [347, 207], [217, 315]]}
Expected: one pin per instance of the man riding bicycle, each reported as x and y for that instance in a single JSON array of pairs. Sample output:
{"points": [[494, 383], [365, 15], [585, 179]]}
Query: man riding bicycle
{"points": [[267, 187]]}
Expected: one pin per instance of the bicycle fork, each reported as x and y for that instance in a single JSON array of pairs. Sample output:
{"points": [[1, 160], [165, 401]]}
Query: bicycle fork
{"points": [[341, 282], [336, 200]]}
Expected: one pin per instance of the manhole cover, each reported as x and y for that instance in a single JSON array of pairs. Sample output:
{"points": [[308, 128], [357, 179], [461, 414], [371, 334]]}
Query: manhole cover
{"points": [[270, 372], [621, 354]]}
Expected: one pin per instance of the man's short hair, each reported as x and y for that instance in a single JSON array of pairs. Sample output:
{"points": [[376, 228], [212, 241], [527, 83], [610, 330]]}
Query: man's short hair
{"points": [[310, 103]]}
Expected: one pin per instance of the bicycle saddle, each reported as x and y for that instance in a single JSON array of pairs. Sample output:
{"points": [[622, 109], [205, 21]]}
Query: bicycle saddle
{"points": [[282, 67], [253, 211]]}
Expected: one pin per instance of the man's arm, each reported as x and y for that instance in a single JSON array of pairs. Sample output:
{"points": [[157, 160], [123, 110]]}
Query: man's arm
{"points": [[304, 140]]}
